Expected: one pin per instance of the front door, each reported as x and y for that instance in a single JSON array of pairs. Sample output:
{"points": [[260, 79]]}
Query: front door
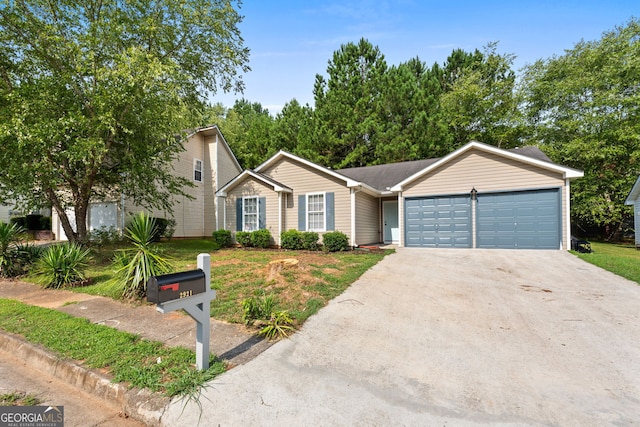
{"points": [[390, 218]]}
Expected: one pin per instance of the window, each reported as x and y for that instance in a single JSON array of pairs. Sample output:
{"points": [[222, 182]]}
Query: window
{"points": [[197, 170], [315, 212], [249, 213]]}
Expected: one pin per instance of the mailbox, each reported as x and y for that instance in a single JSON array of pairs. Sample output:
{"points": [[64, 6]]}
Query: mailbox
{"points": [[175, 286]]}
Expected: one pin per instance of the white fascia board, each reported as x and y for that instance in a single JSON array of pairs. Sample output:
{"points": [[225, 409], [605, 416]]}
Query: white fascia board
{"points": [[276, 187], [634, 193], [567, 173]]}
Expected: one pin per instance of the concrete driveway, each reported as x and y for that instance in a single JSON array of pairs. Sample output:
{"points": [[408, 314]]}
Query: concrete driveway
{"points": [[449, 337]]}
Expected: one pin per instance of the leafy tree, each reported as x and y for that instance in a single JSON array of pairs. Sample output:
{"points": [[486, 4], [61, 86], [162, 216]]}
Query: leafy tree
{"points": [[347, 106], [93, 92], [584, 107], [247, 129], [479, 101], [294, 129]]}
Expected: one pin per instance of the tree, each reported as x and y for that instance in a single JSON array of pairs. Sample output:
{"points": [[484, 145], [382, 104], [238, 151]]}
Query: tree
{"points": [[94, 92], [293, 129], [584, 108], [479, 99], [347, 106], [248, 128]]}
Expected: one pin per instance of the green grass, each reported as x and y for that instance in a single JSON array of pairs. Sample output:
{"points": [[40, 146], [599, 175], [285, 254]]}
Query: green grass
{"points": [[621, 259], [130, 359], [18, 399]]}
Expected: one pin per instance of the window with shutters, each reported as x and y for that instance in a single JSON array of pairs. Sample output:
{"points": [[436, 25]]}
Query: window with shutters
{"points": [[250, 212], [316, 212]]}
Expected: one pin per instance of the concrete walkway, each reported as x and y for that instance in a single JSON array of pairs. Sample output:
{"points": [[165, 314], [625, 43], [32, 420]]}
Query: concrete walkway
{"points": [[448, 337]]}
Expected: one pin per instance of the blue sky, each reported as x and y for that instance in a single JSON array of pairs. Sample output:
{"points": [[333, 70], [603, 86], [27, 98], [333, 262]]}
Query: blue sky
{"points": [[292, 41]]}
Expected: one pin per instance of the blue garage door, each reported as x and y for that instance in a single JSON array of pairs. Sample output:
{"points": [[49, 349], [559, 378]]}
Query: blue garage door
{"points": [[519, 220], [438, 222]]}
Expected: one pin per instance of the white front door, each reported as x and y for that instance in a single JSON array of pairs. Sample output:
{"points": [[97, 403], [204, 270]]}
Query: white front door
{"points": [[390, 219]]}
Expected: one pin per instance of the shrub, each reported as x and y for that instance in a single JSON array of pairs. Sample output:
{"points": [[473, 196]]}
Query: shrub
{"points": [[24, 256], [222, 238], [45, 223], [335, 241], [105, 236], [62, 265], [33, 222], [261, 238], [309, 240], [9, 236], [243, 238], [255, 308], [163, 228], [19, 221], [291, 239], [278, 326], [136, 265]]}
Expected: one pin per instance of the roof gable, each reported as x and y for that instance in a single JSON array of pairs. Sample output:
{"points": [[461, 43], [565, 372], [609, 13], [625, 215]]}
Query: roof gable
{"points": [[215, 130], [634, 193], [277, 187], [528, 155]]}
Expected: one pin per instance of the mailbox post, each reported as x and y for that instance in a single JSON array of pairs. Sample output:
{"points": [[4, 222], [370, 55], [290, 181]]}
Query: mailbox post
{"points": [[185, 291]]}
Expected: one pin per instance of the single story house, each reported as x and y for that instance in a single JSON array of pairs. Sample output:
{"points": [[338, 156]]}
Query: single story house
{"points": [[207, 161], [478, 196], [634, 199]]}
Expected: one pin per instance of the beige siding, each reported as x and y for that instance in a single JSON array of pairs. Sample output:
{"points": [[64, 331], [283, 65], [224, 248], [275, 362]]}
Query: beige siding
{"points": [[304, 179], [249, 188], [227, 168], [4, 213], [367, 219], [485, 172]]}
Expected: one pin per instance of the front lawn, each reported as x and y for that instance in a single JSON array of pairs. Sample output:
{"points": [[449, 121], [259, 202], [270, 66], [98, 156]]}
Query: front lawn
{"points": [[621, 259], [238, 274]]}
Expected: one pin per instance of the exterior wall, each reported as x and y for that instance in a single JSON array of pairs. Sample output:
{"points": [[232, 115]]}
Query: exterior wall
{"points": [[485, 172], [253, 187], [226, 169], [368, 228], [304, 179], [636, 215], [4, 213]]}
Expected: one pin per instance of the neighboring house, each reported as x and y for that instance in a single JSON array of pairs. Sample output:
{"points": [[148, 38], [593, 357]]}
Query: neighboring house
{"points": [[207, 160], [634, 199], [479, 196], [9, 211]]}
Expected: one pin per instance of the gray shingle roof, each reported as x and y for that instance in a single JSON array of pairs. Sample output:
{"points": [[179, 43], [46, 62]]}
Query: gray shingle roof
{"points": [[382, 177]]}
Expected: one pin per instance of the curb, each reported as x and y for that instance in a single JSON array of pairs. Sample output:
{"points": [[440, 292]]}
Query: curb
{"points": [[139, 404]]}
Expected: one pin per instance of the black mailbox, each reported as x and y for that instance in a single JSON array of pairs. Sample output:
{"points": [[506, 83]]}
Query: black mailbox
{"points": [[175, 286]]}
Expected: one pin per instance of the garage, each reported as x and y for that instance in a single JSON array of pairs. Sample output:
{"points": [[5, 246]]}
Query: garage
{"points": [[519, 220], [438, 222]]}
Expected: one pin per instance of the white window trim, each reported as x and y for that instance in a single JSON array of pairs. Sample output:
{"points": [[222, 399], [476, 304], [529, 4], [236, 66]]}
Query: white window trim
{"points": [[195, 169], [257, 214], [324, 212]]}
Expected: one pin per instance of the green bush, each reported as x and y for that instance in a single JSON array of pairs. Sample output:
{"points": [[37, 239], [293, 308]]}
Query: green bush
{"points": [[136, 265], [61, 265], [222, 238], [279, 325], [33, 222], [163, 228], [45, 223], [291, 239], [19, 221], [24, 256], [309, 240], [243, 238], [335, 241], [256, 308], [9, 237], [261, 238], [105, 236]]}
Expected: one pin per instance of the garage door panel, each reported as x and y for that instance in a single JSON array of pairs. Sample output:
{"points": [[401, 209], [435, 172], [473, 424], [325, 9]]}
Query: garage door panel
{"points": [[519, 220], [438, 222]]}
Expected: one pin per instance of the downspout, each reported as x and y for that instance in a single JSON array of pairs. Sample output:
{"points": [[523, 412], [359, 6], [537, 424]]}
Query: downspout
{"points": [[567, 215], [401, 220], [279, 218], [353, 215]]}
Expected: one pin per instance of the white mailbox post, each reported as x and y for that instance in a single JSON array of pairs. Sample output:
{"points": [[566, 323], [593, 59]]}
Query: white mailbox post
{"points": [[198, 306]]}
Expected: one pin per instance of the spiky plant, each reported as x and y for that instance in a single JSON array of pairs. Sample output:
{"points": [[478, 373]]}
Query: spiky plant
{"points": [[9, 236], [62, 265], [137, 264]]}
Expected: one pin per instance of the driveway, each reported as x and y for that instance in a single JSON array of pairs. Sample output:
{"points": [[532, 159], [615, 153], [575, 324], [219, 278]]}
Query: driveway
{"points": [[449, 337]]}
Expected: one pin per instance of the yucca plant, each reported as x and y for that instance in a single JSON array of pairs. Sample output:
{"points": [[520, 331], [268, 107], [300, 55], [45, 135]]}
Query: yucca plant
{"points": [[136, 265], [62, 265], [9, 236]]}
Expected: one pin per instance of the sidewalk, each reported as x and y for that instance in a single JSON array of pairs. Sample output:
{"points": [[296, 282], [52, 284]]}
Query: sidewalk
{"points": [[230, 342]]}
